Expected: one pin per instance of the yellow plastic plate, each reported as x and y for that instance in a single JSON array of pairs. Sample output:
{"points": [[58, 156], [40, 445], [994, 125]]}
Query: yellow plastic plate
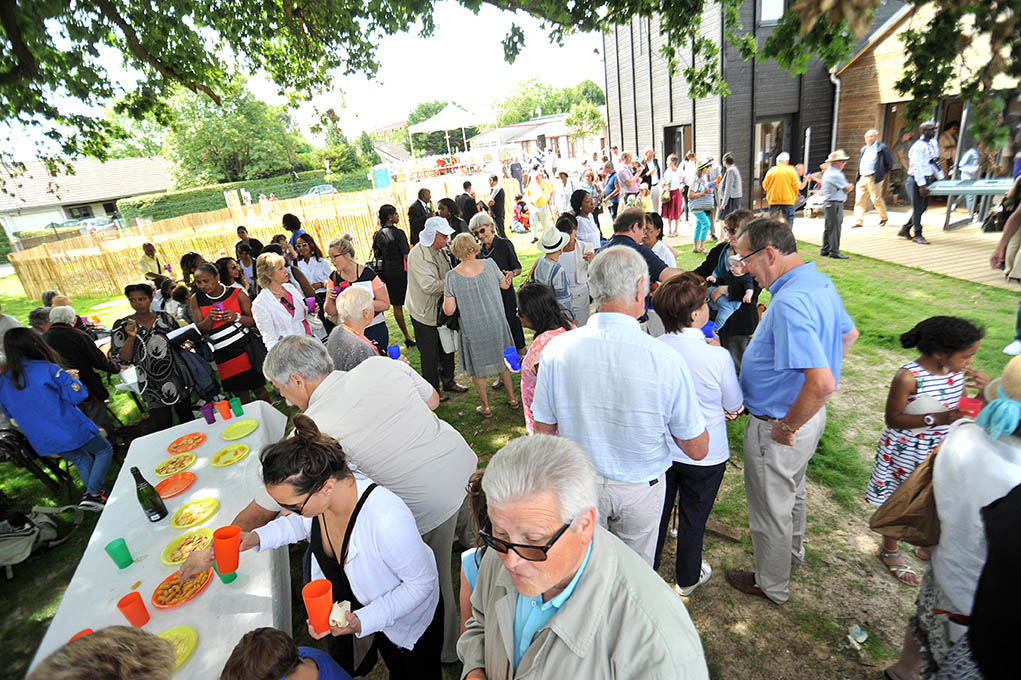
{"points": [[230, 455], [200, 539], [175, 464], [240, 429], [195, 512], [184, 639]]}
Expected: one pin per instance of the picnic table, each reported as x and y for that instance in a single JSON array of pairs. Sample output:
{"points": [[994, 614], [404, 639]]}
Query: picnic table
{"points": [[261, 595]]}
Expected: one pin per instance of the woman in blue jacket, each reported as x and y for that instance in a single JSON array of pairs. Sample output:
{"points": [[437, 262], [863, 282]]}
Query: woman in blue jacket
{"points": [[42, 398]]}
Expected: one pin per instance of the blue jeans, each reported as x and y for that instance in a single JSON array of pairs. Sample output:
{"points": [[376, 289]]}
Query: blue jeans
{"points": [[91, 460], [702, 225], [787, 211]]}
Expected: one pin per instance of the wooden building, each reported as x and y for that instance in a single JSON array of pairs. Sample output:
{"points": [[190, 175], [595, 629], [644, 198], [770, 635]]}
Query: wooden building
{"points": [[768, 110]]}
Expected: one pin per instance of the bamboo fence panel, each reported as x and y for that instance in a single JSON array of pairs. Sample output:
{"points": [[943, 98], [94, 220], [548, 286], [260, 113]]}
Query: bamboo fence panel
{"points": [[102, 264]]}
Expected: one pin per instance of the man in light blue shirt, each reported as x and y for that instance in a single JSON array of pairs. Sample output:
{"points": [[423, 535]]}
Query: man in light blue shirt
{"points": [[790, 369], [618, 393], [834, 192], [923, 168]]}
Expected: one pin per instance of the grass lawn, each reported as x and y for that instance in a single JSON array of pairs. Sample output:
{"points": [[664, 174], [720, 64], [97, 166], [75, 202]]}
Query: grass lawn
{"points": [[841, 584]]}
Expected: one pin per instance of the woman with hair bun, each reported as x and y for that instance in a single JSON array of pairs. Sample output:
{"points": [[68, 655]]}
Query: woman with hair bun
{"points": [[366, 543], [920, 407], [349, 272]]}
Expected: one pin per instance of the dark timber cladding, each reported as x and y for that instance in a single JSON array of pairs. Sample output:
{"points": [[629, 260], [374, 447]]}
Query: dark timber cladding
{"points": [[646, 106]]}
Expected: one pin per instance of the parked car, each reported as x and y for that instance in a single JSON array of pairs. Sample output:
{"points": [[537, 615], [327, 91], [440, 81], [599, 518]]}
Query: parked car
{"points": [[96, 224], [321, 190]]}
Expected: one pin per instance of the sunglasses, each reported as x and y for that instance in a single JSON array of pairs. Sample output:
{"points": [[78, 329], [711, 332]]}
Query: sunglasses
{"points": [[302, 245], [288, 305], [532, 553], [298, 509]]}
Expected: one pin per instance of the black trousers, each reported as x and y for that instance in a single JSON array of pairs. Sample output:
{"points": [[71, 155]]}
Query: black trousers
{"points": [[161, 418], [498, 220], [919, 204], [834, 216], [423, 661], [433, 358], [697, 486], [510, 310]]}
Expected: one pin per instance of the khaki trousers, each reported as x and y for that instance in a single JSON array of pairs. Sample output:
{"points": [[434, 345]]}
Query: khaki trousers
{"points": [[631, 512], [774, 478], [863, 191]]}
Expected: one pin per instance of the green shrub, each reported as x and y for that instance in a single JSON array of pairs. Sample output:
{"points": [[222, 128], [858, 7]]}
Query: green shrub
{"points": [[205, 199]]}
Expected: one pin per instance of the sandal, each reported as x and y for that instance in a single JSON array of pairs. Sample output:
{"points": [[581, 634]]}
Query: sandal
{"points": [[513, 403], [484, 412], [923, 553], [898, 570]]}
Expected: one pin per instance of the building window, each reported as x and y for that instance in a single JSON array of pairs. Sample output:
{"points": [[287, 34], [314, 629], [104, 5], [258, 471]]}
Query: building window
{"points": [[109, 208], [80, 212], [770, 12]]}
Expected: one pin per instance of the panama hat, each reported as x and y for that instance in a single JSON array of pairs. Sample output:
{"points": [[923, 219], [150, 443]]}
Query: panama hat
{"points": [[552, 241], [1009, 380], [837, 155]]}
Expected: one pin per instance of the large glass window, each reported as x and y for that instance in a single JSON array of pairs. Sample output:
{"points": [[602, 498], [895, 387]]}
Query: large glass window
{"points": [[770, 11]]}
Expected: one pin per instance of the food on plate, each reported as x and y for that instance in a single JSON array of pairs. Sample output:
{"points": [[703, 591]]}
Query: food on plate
{"points": [[182, 546], [186, 443], [175, 464], [230, 455], [175, 591], [184, 639], [194, 512]]}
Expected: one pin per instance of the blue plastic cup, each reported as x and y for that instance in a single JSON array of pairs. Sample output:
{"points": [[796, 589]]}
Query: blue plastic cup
{"points": [[510, 356], [708, 328], [394, 351]]}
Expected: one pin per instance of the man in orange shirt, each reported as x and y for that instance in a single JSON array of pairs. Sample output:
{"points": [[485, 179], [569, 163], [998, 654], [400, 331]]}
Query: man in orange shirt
{"points": [[781, 185]]}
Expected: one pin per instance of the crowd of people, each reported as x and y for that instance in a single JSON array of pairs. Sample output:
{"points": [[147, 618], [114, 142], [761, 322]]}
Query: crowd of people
{"points": [[633, 370]]}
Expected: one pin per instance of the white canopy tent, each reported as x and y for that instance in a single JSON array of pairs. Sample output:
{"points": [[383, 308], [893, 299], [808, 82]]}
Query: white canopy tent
{"points": [[450, 118]]}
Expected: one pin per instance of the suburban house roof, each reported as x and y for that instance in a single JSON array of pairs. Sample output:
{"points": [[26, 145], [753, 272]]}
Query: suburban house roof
{"points": [[92, 182], [873, 38], [390, 152]]}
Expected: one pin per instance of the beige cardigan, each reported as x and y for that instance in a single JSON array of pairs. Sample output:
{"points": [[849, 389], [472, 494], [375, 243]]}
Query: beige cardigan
{"points": [[621, 621], [427, 271]]}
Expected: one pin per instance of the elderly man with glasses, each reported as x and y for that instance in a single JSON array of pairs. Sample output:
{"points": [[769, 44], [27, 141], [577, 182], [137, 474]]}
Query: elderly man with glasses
{"points": [[558, 596], [789, 370], [501, 251]]}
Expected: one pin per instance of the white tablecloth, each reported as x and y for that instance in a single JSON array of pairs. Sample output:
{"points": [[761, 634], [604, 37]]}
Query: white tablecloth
{"points": [[261, 595]]}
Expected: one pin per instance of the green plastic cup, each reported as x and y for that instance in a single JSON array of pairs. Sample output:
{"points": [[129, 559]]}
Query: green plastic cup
{"points": [[236, 407], [226, 578], [118, 551]]}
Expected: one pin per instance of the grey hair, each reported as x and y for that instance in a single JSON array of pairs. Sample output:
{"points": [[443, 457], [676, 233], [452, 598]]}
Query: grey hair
{"points": [[48, 297], [783, 157], [765, 231], [38, 317], [63, 314], [872, 131], [480, 219], [531, 465], [352, 302], [617, 273], [297, 355]]}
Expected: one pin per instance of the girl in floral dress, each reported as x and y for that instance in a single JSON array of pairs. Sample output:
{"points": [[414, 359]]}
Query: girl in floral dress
{"points": [[538, 310], [947, 345]]}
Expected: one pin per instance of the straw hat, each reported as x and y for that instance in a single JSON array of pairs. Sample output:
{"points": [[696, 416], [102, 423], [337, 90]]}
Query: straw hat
{"points": [[704, 163], [1010, 380], [552, 240], [837, 155]]}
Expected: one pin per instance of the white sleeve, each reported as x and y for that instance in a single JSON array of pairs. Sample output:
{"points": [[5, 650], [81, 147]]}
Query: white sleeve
{"points": [[730, 386], [422, 386], [402, 551], [284, 530], [264, 321]]}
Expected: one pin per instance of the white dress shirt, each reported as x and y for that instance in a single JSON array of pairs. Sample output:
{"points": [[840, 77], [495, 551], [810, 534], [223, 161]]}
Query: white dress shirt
{"points": [[316, 271], [869, 154], [653, 396], [587, 232], [391, 571], [717, 389], [923, 161], [665, 254], [275, 321]]}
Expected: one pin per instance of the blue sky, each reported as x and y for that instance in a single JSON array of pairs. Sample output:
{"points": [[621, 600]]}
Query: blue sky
{"points": [[462, 62]]}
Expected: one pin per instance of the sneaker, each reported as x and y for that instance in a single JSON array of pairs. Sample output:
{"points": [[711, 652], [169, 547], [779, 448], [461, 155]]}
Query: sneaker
{"points": [[704, 575], [673, 533], [92, 503], [1013, 349]]}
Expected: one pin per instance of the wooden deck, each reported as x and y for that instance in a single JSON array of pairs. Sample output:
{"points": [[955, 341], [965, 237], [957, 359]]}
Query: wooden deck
{"points": [[962, 253]]}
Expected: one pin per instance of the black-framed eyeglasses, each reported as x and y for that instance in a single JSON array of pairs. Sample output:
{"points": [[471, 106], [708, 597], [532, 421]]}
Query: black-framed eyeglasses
{"points": [[532, 553], [736, 257], [299, 508]]}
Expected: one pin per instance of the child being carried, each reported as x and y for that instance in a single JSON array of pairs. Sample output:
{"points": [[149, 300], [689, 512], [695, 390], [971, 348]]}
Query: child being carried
{"points": [[740, 289]]}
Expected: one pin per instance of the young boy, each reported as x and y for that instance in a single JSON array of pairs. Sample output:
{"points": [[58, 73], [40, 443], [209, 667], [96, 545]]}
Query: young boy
{"points": [[740, 288], [270, 654]]}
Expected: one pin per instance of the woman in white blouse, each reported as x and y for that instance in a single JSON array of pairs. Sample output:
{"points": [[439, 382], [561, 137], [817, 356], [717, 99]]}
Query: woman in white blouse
{"points": [[681, 304], [279, 309], [574, 260], [366, 543]]}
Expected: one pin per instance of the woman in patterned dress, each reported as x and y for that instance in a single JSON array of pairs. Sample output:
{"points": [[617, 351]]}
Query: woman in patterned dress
{"points": [[947, 345], [224, 314], [538, 310], [140, 340]]}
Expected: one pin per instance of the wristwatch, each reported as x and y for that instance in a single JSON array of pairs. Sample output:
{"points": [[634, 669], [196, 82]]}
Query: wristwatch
{"points": [[928, 419], [787, 428]]}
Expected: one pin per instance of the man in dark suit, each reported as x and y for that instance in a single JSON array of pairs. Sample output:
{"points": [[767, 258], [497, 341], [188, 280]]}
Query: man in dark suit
{"points": [[466, 203], [874, 163], [418, 213], [497, 204]]}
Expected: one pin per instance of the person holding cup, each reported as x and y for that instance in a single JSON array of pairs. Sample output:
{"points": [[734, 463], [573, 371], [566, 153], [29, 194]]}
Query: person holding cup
{"points": [[278, 309], [348, 346], [366, 543], [347, 272]]}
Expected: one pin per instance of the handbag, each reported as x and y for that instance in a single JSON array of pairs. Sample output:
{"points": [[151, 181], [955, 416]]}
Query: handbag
{"points": [[909, 514]]}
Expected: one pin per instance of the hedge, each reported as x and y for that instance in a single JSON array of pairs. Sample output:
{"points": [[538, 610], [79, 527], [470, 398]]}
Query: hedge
{"points": [[170, 204]]}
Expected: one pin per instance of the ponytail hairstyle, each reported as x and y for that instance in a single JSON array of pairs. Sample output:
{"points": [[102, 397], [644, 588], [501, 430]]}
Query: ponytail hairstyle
{"points": [[386, 211], [24, 344], [188, 265], [942, 334], [306, 460]]}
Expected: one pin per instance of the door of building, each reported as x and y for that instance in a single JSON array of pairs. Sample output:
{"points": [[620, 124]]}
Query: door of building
{"points": [[771, 137], [677, 139]]}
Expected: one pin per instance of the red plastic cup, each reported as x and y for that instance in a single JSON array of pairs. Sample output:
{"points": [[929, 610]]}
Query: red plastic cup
{"points": [[318, 596], [970, 406], [82, 633], [226, 548], [223, 406], [133, 608]]}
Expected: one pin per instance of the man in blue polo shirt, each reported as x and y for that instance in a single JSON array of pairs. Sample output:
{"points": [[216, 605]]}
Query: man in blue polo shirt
{"points": [[790, 369]]}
